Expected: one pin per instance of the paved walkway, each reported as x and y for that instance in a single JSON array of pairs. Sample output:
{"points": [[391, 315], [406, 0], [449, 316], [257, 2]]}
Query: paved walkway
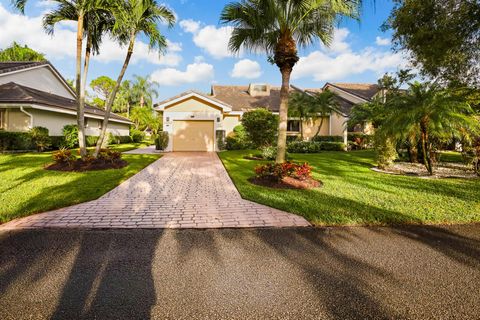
{"points": [[145, 150], [180, 190]]}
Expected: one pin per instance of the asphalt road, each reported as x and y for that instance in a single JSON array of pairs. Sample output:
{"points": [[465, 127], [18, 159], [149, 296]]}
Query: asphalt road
{"points": [[326, 273]]}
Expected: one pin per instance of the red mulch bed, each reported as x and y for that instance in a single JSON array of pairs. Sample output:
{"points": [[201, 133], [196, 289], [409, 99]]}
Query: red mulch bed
{"points": [[80, 166], [287, 183]]}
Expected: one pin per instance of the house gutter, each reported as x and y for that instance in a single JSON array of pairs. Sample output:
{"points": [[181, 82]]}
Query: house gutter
{"points": [[28, 114]]}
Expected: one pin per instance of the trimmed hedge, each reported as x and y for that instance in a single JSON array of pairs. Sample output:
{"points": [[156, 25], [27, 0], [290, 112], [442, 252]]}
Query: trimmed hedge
{"points": [[327, 139], [314, 147], [15, 141], [118, 139]]}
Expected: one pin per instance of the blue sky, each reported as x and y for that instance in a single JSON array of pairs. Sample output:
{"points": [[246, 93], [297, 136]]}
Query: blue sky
{"points": [[198, 57]]}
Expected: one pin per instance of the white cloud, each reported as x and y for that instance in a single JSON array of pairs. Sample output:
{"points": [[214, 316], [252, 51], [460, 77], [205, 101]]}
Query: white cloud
{"points": [[195, 72], [62, 43], [210, 38], [246, 68], [382, 41], [324, 67], [339, 43], [190, 25]]}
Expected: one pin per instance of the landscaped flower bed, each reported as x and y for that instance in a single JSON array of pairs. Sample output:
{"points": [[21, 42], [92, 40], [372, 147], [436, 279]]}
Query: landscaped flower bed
{"points": [[65, 160], [285, 175]]}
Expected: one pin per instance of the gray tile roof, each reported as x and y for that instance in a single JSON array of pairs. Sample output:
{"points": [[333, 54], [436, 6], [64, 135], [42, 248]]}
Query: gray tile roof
{"points": [[362, 90], [14, 93], [10, 66]]}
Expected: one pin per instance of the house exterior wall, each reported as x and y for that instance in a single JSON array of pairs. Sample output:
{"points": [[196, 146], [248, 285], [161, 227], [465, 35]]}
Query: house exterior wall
{"points": [[230, 122], [310, 128], [41, 78], [55, 121]]}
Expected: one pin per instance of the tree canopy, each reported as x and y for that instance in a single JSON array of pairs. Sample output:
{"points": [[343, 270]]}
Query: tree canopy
{"points": [[17, 52], [442, 36]]}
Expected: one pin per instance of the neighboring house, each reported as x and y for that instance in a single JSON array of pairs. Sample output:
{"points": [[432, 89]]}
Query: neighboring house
{"points": [[195, 120], [34, 94]]}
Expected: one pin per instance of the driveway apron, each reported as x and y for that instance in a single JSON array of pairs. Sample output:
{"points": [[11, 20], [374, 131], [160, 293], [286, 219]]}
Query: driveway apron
{"points": [[180, 190]]}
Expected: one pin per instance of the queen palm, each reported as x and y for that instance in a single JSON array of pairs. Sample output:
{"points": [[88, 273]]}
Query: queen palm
{"points": [[133, 17], [277, 27], [429, 110]]}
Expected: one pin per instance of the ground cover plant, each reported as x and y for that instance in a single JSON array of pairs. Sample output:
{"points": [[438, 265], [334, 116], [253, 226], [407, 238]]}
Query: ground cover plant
{"points": [[353, 194]]}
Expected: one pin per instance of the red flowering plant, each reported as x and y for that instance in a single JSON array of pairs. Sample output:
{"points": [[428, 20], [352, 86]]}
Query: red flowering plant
{"points": [[278, 171]]}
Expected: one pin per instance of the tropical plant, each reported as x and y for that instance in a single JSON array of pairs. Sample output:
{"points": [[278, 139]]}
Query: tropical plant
{"points": [[300, 108], [161, 141], [278, 27], [133, 17], [93, 19], [144, 90], [17, 52], [237, 139], [431, 111], [261, 127], [70, 135], [40, 138]]}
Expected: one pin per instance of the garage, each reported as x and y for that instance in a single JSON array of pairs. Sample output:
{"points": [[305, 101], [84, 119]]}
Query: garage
{"points": [[193, 135]]}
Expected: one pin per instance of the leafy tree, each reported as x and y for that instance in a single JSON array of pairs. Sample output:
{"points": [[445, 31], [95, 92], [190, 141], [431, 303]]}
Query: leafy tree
{"points": [[433, 112], [278, 27], [124, 99], [144, 90], [103, 87], [133, 17], [145, 118], [261, 127], [443, 37], [17, 52]]}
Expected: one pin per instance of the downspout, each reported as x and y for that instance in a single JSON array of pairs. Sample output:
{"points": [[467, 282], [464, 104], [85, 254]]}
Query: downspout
{"points": [[28, 114]]}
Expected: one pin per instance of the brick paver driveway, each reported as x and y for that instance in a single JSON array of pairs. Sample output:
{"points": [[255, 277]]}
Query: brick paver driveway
{"points": [[180, 190]]}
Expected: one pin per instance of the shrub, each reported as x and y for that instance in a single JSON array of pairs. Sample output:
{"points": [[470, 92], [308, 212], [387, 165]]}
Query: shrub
{"points": [[359, 141], [91, 140], [137, 135], [63, 155], [15, 141], [278, 171], [238, 139], [269, 153], [293, 138], [57, 142], [70, 135], [327, 139], [261, 126], [314, 147], [40, 138], [109, 155], [385, 151], [112, 139], [161, 141]]}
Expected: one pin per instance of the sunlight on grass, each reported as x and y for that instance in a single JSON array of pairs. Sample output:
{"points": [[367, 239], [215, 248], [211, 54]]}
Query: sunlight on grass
{"points": [[26, 188], [353, 194]]}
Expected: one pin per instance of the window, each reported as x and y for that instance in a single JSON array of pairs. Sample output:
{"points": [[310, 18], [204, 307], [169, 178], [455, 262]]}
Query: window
{"points": [[293, 125]]}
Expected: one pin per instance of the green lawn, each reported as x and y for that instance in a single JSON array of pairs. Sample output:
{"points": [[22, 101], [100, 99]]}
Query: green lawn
{"points": [[353, 194], [26, 188]]}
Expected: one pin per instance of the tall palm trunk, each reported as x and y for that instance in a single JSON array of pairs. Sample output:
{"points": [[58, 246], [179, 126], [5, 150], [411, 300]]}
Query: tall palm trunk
{"points": [[301, 128], [427, 160], [78, 82], [319, 127], [285, 58], [88, 52], [111, 98]]}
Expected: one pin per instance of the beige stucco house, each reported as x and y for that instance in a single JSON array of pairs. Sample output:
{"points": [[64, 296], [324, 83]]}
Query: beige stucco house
{"points": [[34, 94], [194, 120]]}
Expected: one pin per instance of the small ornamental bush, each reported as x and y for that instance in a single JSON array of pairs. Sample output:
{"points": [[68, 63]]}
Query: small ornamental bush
{"points": [[261, 126], [161, 141], [40, 138], [63, 155], [109, 155], [269, 153], [238, 139], [137, 135], [91, 141], [327, 139], [15, 141], [70, 136], [278, 171]]}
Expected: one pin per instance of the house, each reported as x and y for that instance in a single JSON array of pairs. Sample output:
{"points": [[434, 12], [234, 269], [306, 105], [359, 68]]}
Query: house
{"points": [[195, 120], [34, 94]]}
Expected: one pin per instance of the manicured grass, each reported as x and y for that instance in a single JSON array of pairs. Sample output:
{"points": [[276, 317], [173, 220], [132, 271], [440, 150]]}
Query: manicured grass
{"points": [[26, 188], [353, 194]]}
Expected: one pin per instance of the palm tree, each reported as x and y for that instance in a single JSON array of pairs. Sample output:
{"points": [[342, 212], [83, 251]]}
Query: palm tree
{"points": [[278, 27], [323, 104], [144, 89], [93, 21], [301, 108], [133, 17], [432, 111]]}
